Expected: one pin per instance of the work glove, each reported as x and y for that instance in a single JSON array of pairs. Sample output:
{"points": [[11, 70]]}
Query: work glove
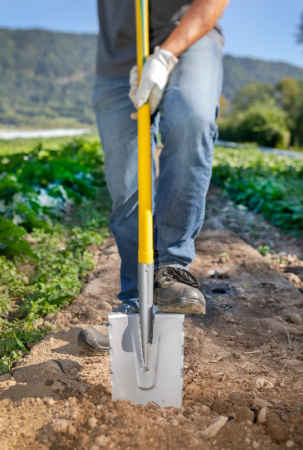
{"points": [[154, 77]]}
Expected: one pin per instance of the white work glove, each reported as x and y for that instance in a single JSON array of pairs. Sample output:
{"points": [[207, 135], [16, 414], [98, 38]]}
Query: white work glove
{"points": [[154, 77]]}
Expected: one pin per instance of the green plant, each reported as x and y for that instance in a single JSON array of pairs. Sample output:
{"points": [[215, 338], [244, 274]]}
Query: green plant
{"points": [[5, 304], [264, 250], [13, 343], [224, 257], [11, 242]]}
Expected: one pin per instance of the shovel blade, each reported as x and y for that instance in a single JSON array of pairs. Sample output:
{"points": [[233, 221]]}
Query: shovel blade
{"points": [[163, 382]]}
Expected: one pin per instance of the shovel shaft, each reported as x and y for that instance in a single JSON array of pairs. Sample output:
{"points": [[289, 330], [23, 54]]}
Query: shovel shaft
{"points": [[146, 287], [145, 253], [145, 219]]}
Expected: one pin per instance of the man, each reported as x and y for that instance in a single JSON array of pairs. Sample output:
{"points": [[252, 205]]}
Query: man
{"points": [[182, 79]]}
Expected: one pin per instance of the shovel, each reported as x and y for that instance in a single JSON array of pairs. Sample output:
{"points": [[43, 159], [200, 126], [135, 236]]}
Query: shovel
{"points": [[146, 349]]}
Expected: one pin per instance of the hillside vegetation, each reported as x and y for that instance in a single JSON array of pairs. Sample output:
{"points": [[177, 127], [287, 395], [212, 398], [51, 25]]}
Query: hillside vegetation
{"points": [[46, 78], [240, 71]]}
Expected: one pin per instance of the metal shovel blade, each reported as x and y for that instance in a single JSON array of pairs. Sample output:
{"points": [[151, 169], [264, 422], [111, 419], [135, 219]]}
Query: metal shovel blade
{"points": [[162, 383]]}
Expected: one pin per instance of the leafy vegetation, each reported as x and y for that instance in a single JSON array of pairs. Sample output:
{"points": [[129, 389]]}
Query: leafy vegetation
{"points": [[264, 183], [46, 78], [45, 230]]}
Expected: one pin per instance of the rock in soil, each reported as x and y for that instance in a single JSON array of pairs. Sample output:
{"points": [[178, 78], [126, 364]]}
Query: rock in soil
{"points": [[215, 427], [296, 318], [261, 403]]}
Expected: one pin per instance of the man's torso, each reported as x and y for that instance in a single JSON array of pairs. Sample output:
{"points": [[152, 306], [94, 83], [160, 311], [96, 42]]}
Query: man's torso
{"points": [[117, 37]]}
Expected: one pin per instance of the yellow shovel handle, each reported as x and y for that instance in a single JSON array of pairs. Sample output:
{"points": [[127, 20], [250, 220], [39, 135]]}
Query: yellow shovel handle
{"points": [[145, 253]]}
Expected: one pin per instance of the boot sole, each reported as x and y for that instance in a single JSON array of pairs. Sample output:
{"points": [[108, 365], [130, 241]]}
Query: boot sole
{"points": [[182, 307]]}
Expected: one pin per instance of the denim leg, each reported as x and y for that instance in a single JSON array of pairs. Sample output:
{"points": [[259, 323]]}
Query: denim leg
{"points": [[118, 133], [188, 132]]}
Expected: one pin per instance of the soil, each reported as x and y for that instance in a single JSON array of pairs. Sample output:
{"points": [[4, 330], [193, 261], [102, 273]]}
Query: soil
{"points": [[243, 360]]}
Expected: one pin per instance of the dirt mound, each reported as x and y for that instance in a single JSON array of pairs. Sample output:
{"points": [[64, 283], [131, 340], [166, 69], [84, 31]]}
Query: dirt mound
{"points": [[243, 362]]}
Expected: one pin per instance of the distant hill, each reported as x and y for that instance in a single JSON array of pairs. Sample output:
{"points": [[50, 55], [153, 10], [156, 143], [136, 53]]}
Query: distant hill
{"points": [[240, 71], [46, 78]]}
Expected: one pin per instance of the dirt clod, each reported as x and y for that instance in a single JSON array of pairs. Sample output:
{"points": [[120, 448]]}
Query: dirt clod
{"points": [[241, 399], [263, 383], [244, 413], [193, 391], [5, 377], [276, 428], [218, 407], [92, 422], [205, 410]]}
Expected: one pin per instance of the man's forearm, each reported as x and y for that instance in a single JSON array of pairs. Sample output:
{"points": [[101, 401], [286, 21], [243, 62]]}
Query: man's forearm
{"points": [[198, 20]]}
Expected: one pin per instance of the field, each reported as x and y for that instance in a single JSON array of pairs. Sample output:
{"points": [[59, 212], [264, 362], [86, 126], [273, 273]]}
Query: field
{"points": [[54, 204], [60, 272]]}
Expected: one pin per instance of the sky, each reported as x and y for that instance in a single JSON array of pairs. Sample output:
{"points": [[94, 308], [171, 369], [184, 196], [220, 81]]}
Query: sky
{"points": [[262, 29]]}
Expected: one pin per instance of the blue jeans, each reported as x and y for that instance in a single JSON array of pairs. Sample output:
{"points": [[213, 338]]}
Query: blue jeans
{"points": [[186, 121]]}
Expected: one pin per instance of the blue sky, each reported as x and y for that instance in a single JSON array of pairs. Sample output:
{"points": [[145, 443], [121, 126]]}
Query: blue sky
{"points": [[258, 28]]}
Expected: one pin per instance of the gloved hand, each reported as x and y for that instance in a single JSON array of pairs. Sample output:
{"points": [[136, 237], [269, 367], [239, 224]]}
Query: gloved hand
{"points": [[154, 77]]}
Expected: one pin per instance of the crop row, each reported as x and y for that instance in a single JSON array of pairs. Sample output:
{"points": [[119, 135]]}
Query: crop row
{"points": [[264, 183]]}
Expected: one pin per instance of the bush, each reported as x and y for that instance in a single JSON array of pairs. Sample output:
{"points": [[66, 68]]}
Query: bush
{"points": [[264, 124]]}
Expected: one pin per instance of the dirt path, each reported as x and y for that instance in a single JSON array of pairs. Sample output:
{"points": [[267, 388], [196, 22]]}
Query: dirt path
{"points": [[243, 359]]}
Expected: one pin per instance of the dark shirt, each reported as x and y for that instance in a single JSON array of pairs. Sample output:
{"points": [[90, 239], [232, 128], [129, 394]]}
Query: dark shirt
{"points": [[117, 37]]}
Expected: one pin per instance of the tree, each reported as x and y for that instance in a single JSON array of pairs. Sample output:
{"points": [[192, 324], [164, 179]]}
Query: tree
{"points": [[289, 96], [263, 124], [253, 93], [300, 31], [224, 105], [290, 99]]}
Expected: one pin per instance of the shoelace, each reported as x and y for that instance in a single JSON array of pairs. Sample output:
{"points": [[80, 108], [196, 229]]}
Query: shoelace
{"points": [[180, 275]]}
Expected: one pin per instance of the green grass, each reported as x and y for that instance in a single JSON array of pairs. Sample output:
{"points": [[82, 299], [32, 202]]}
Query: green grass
{"points": [[264, 183], [44, 251]]}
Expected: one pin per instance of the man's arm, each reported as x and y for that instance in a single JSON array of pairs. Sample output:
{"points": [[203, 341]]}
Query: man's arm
{"points": [[198, 20]]}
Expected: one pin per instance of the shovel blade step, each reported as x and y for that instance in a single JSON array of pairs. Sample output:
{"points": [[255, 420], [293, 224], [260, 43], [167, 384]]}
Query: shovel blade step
{"points": [[163, 382]]}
